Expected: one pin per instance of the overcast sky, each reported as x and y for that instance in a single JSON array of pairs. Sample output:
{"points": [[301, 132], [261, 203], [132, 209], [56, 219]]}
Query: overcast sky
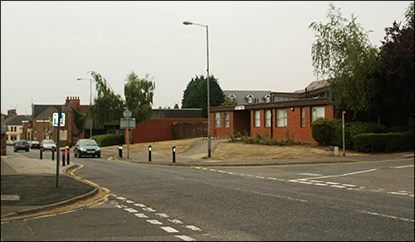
{"points": [[46, 46]]}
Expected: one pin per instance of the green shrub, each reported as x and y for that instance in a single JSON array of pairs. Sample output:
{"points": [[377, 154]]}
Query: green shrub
{"points": [[108, 139], [326, 131], [390, 142]]}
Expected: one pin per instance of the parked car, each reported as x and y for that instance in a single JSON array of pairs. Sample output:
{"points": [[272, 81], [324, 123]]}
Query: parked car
{"points": [[34, 144], [48, 144], [87, 147], [11, 142], [21, 145]]}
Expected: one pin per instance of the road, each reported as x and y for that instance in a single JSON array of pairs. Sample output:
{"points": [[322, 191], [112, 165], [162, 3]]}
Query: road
{"points": [[353, 201]]}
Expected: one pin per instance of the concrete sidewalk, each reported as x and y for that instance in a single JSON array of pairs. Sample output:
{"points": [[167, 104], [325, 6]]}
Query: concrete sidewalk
{"points": [[28, 185]]}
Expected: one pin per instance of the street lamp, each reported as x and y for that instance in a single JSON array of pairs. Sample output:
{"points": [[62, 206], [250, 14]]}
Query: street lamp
{"points": [[90, 101], [207, 70]]}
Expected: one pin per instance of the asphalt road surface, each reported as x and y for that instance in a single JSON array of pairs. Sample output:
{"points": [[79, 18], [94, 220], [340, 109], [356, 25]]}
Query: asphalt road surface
{"points": [[354, 201]]}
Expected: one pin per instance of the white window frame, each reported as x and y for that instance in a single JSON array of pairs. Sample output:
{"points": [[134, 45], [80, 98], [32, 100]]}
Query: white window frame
{"points": [[218, 120], [268, 118], [302, 117], [281, 118], [257, 118], [317, 112], [227, 119]]}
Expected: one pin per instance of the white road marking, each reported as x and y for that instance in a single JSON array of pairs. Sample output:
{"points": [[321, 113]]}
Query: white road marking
{"points": [[398, 167], [333, 183], [184, 237], [121, 198], [346, 174], [308, 174], [153, 221], [169, 229], [163, 215], [320, 184], [131, 210], [140, 205], [141, 215], [337, 186], [175, 221], [149, 209], [386, 216], [192, 227], [129, 201]]}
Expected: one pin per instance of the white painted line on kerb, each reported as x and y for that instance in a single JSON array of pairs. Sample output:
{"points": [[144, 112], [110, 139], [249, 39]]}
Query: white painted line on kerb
{"points": [[184, 237], [153, 221], [169, 229]]}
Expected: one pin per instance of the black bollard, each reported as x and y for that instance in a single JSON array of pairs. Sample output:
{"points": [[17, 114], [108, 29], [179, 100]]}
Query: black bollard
{"points": [[120, 150], [67, 154], [149, 153], [174, 154], [41, 153], [53, 153], [63, 157]]}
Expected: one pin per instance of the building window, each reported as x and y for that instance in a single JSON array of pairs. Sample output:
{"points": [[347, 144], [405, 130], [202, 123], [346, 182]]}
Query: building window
{"points": [[218, 120], [268, 98], [232, 97], [303, 117], [250, 98], [317, 112], [268, 118], [281, 117], [227, 119], [257, 118]]}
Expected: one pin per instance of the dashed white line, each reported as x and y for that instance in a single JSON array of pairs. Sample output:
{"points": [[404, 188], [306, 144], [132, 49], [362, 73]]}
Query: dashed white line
{"points": [[149, 209], [131, 210], [129, 201], [141, 215], [154, 221], [192, 227], [184, 237], [169, 229], [398, 167], [163, 215], [121, 198], [175, 221], [140, 205]]}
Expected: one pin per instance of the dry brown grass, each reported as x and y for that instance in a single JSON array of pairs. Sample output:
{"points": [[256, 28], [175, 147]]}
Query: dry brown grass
{"points": [[241, 151], [158, 148]]}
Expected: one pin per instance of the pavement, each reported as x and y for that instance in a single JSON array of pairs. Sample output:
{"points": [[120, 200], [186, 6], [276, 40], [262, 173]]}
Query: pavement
{"points": [[31, 185]]}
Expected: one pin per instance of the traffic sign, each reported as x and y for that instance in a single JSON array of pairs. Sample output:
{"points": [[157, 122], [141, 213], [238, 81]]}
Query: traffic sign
{"points": [[55, 119]]}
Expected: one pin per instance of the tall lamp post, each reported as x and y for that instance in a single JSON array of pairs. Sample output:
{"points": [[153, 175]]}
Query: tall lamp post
{"points": [[207, 70], [90, 101]]}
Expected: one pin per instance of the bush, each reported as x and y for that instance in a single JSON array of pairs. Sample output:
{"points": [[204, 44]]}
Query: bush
{"points": [[108, 139], [326, 131], [390, 142]]}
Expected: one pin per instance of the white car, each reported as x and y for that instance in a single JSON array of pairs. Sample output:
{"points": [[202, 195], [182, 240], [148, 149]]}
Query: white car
{"points": [[48, 144]]}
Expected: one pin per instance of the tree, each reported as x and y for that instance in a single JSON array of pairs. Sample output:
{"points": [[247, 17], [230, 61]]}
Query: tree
{"points": [[343, 55], [108, 107], [195, 95], [139, 94], [397, 68], [230, 102]]}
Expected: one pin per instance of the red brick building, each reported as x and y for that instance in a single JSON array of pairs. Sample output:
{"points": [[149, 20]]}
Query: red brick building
{"points": [[285, 114]]}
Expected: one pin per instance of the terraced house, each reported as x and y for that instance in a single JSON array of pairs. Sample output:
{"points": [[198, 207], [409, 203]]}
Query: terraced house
{"points": [[277, 114]]}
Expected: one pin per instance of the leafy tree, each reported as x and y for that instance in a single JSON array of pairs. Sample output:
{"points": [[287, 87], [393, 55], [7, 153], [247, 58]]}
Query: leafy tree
{"points": [[229, 102], [195, 95], [79, 119], [139, 94], [397, 68], [108, 106], [343, 55]]}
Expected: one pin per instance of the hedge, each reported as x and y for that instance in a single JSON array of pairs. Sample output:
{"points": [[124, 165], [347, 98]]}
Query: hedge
{"points": [[108, 139], [384, 142]]}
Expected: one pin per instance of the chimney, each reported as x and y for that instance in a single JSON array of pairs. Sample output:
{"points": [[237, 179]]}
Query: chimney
{"points": [[11, 112]]}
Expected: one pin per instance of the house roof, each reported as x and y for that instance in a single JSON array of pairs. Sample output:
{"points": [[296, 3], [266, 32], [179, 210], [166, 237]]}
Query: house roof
{"points": [[314, 85], [241, 95], [16, 120]]}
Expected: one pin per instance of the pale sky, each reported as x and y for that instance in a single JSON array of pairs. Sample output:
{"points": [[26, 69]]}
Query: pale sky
{"points": [[46, 46]]}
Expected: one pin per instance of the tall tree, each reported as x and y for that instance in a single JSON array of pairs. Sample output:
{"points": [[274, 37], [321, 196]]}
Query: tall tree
{"points": [[343, 55], [195, 94], [397, 68], [139, 94], [108, 107]]}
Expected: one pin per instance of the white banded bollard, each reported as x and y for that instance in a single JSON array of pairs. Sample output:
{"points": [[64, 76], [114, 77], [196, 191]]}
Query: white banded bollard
{"points": [[120, 150], [149, 153], [174, 153]]}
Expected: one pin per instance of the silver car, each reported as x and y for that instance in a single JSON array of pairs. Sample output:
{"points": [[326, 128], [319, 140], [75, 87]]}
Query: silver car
{"points": [[48, 144]]}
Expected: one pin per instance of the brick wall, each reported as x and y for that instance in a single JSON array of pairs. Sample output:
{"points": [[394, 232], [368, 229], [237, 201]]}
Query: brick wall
{"points": [[189, 130], [155, 130]]}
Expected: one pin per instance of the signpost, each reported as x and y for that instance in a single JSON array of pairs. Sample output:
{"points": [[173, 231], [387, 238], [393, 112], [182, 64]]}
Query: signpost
{"points": [[127, 123]]}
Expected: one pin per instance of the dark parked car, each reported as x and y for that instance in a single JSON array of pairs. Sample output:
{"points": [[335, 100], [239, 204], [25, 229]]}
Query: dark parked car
{"points": [[87, 147], [34, 144], [21, 145]]}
